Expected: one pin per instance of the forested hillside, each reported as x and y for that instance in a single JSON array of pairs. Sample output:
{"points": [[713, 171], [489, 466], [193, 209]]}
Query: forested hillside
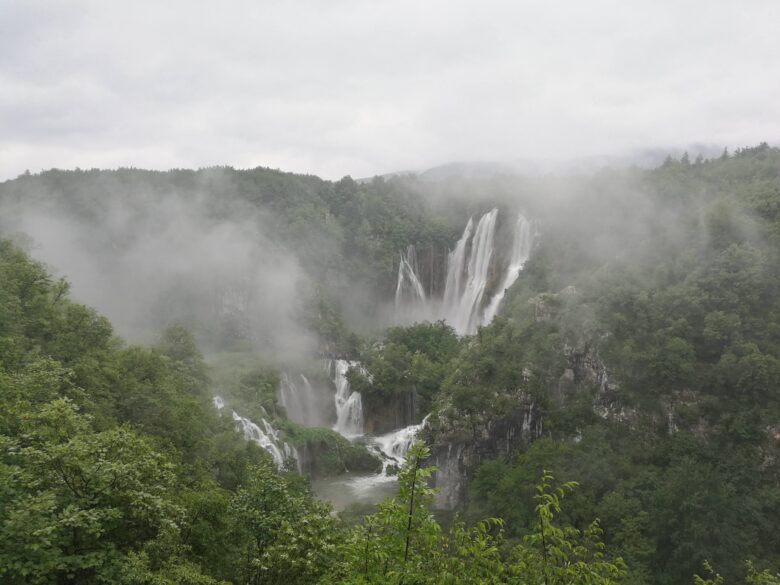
{"points": [[618, 421], [197, 246], [638, 354], [116, 469]]}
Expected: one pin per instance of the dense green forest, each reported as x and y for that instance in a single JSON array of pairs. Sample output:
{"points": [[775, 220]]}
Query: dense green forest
{"points": [[618, 422], [116, 469]]}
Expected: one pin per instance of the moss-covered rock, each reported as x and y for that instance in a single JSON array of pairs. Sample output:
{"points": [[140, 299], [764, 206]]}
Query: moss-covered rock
{"points": [[325, 453]]}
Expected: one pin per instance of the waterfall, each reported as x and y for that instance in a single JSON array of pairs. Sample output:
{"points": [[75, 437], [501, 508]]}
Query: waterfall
{"points": [[455, 263], [521, 250], [463, 303], [395, 445], [410, 297], [300, 400], [267, 437], [349, 405]]}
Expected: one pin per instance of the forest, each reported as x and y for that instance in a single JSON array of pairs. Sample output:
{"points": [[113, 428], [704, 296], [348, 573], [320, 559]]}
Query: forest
{"points": [[616, 421]]}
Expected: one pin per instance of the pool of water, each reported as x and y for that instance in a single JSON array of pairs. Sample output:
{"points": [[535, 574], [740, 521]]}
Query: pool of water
{"points": [[354, 489]]}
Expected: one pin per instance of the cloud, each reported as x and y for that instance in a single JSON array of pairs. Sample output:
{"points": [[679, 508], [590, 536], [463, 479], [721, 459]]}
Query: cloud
{"points": [[147, 258], [337, 87]]}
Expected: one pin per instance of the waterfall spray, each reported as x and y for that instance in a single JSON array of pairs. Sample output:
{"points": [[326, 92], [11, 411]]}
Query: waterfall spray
{"points": [[521, 250]]}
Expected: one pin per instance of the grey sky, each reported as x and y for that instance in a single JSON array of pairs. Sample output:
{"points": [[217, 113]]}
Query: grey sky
{"points": [[356, 87]]}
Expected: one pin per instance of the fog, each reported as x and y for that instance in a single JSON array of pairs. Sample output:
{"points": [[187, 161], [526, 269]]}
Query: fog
{"points": [[149, 260]]}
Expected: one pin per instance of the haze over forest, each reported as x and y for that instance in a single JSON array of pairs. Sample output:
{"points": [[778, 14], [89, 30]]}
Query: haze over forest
{"points": [[341, 293]]}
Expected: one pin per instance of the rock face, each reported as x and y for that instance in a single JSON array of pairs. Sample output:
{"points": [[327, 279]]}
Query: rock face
{"points": [[460, 445], [458, 449], [451, 467], [386, 414]]}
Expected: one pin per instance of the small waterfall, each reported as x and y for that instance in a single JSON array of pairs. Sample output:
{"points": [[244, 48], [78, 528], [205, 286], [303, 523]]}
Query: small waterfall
{"points": [[267, 436], [410, 295], [391, 449], [395, 445], [463, 310], [521, 250], [349, 405], [300, 400]]}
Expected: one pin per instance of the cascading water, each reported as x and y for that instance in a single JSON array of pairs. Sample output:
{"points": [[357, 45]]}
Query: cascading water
{"points": [[453, 287], [370, 489], [349, 405], [521, 250], [409, 289], [464, 315], [463, 304], [267, 437], [395, 445], [301, 401]]}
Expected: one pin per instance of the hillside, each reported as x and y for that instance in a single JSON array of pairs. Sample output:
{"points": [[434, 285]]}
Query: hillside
{"points": [[636, 352]]}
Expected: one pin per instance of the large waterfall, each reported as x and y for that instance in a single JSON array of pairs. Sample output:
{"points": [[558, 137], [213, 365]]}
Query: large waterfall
{"points": [[470, 267], [463, 313]]}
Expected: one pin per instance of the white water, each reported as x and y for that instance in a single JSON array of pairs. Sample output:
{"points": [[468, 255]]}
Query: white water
{"points": [[301, 401], [464, 313], [267, 436], [371, 489], [349, 405], [395, 445], [521, 250], [409, 290], [463, 304], [455, 261]]}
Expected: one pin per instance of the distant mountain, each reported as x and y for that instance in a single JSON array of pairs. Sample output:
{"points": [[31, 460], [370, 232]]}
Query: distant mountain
{"points": [[643, 158]]}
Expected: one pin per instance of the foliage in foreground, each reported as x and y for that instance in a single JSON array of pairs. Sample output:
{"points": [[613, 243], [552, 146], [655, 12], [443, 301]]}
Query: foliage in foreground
{"points": [[403, 543], [115, 468]]}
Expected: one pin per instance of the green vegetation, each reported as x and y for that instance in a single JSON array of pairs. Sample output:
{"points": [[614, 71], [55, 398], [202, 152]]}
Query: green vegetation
{"points": [[92, 494], [647, 356], [403, 543], [346, 235], [327, 453], [406, 372], [638, 355]]}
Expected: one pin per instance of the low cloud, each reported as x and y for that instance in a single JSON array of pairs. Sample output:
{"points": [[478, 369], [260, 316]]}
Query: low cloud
{"points": [[146, 260], [347, 87]]}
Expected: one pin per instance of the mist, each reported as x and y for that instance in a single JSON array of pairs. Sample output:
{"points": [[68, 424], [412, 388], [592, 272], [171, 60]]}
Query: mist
{"points": [[147, 260]]}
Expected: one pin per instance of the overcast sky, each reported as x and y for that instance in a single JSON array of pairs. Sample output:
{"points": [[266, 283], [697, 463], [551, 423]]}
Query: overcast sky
{"points": [[338, 87]]}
